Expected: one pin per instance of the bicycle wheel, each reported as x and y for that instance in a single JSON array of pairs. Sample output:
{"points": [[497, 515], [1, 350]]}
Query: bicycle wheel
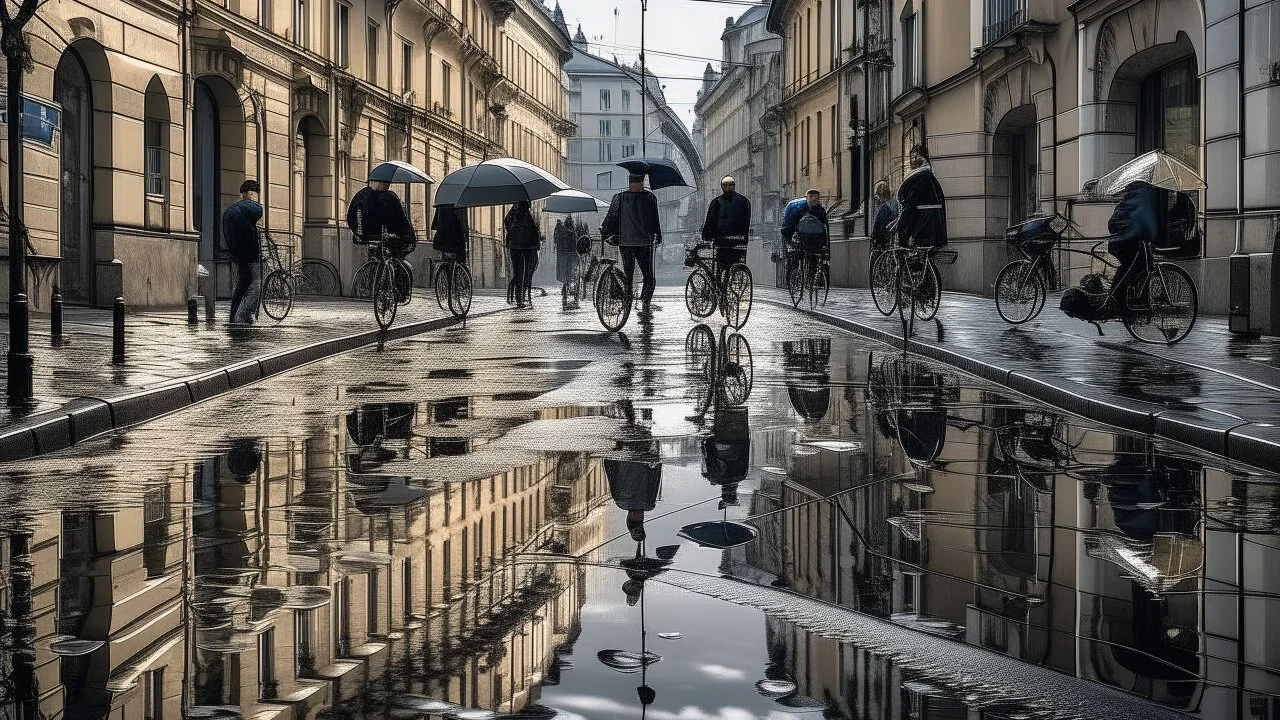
{"points": [[460, 290], [739, 371], [384, 295], [884, 275], [362, 281], [277, 295], [795, 281], [1018, 292], [317, 277], [822, 285], [404, 281], [905, 289], [1172, 307], [737, 296], [700, 294], [699, 345], [613, 299], [1042, 290], [440, 280], [929, 295]]}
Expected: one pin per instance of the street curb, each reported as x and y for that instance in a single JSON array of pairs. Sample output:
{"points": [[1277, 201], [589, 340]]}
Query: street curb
{"points": [[1256, 444], [88, 417]]}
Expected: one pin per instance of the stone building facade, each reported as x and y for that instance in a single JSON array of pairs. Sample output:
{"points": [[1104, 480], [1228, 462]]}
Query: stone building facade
{"points": [[153, 113], [730, 108], [1022, 103]]}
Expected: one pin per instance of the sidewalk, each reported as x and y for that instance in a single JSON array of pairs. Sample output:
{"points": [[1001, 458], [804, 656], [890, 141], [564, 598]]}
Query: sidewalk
{"points": [[1216, 391], [161, 347]]}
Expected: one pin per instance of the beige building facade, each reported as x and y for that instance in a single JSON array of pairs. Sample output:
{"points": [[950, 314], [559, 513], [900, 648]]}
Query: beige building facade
{"points": [[152, 114]]}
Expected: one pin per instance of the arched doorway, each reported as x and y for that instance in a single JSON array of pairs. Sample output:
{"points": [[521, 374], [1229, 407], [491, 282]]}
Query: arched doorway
{"points": [[312, 174], [219, 152], [1015, 155], [72, 90]]}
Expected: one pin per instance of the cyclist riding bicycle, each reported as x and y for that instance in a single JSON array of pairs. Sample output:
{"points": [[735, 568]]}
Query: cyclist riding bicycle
{"points": [[804, 227], [726, 227]]}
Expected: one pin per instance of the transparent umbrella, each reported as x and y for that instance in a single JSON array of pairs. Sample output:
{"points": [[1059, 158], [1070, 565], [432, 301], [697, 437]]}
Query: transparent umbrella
{"points": [[1155, 167]]}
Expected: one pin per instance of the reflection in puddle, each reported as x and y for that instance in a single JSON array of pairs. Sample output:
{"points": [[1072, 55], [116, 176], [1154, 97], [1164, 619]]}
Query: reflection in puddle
{"points": [[801, 526]]}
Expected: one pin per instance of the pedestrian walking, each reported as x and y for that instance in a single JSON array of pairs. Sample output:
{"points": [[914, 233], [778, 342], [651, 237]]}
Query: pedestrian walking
{"points": [[726, 226], [451, 233], [243, 243], [922, 219], [523, 239], [804, 225], [566, 242], [633, 219], [886, 216]]}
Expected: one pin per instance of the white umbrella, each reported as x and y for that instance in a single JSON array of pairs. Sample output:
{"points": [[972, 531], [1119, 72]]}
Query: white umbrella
{"points": [[394, 171], [496, 182], [574, 201], [1156, 168]]}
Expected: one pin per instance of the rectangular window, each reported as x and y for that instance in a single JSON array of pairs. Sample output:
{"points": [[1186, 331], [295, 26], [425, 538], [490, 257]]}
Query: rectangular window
{"points": [[406, 68], [300, 23], [605, 101], [604, 181], [264, 13], [342, 53], [446, 85], [606, 151], [629, 150], [626, 99], [819, 139], [371, 55], [303, 648], [342, 617], [1169, 112], [605, 128], [909, 52], [156, 157], [626, 128], [153, 695], [267, 664]]}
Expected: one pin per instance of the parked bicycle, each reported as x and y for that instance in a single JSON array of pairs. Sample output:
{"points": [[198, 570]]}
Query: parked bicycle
{"points": [[1162, 303], [574, 287], [805, 280], [283, 280], [710, 286], [917, 284], [451, 279]]}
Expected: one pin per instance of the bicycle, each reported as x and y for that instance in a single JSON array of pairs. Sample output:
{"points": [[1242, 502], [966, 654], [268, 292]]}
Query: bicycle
{"points": [[392, 280], [282, 281], [451, 280], [882, 270], [1163, 297], [710, 286], [612, 294], [802, 281], [917, 284]]}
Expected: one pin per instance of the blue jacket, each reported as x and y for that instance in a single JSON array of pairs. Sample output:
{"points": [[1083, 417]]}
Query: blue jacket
{"points": [[1136, 217], [881, 231], [794, 211]]}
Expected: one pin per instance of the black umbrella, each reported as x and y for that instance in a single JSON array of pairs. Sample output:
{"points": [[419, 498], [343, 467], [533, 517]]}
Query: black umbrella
{"points": [[662, 173]]}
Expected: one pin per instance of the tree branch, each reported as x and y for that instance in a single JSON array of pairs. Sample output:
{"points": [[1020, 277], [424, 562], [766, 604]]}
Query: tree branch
{"points": [[25, 11]]}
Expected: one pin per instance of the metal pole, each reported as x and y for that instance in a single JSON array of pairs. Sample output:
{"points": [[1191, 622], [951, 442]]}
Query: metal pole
{"points": [[117, 331], [20, 364], [644, 88], [55, 316]]}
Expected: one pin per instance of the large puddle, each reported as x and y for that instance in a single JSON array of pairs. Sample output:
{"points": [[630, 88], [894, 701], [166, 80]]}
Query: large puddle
{"points": [[715, 528]]}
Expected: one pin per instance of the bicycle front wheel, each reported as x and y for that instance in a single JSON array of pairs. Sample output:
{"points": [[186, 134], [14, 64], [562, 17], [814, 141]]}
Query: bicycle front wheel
{"points": [[362, 281], [385, 299], [441, 279], [737, 296], [1172, 307], [822, 286], [739, 370], [460, 290], [884, 292], [277, 295], [613, 299], [796, 271], [1018, 292], [700, 294]]}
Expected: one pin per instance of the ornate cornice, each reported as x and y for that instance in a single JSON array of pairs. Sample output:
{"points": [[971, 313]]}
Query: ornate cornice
{"points": [[502, 9]]}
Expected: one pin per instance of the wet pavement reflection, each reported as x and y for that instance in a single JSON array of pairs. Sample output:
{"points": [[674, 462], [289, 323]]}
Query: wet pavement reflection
{"points": [[537, 520]]}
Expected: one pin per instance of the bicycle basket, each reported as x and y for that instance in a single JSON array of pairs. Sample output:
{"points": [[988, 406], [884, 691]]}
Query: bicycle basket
{"points": [[945, 257], [1037, 235]]}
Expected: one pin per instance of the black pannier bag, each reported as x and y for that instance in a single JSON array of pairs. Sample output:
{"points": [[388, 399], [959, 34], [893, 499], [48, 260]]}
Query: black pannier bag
{"points": [[1180, 235], [1085, 301]]}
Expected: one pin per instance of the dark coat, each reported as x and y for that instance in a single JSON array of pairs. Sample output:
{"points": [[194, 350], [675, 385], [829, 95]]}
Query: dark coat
{"points": [[633, 218], [521, 230], [240, 231], [923, 218], [728, 214], [381, 210], [1136, 219], [882, 230], [450, 227], [566, 236]]}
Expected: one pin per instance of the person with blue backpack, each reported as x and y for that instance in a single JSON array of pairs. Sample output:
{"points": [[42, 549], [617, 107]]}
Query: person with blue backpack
{"points": [[804, 226]]}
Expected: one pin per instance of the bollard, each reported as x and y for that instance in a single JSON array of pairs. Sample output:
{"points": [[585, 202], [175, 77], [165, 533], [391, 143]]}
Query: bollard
{"points": [[117, 331], [55, 315], [193, 310]]}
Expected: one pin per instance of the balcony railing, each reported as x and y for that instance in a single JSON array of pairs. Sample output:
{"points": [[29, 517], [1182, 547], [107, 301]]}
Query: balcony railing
{"points": [[1001, 18]]}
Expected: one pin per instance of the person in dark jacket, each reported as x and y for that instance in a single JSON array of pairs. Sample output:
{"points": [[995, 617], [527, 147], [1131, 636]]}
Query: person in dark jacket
{"points": [[566, 241], [243, 244], [523, 241], [635, 479], [376, 212], [451, 232], [726, 454], [727, 224], [792, 217], [923, 215], [886, 216], [1134, 224], [633, 219]]}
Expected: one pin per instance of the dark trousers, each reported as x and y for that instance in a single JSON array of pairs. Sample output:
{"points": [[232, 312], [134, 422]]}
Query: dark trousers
{"points": [[523, 263], [644, 255], [246, 281], [1127, 275], [726, 257]]}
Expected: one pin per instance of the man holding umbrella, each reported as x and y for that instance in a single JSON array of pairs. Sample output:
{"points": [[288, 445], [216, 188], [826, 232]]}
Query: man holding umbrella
{"points": [[633, 219]]}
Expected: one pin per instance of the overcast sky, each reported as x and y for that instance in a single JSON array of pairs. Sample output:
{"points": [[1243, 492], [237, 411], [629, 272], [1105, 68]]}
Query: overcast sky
{"points": [[687, 27]]}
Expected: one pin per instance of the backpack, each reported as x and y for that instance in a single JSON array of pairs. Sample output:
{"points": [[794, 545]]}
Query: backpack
{"points": [[811, 231], [1179, 235]]}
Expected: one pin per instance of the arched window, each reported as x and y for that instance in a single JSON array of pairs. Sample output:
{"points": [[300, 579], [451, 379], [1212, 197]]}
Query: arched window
{"points": [[1169, 112], [156, 140]]}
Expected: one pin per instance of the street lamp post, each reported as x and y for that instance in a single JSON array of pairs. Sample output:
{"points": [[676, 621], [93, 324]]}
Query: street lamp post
{"points": [[644, 88], [13, 42]]}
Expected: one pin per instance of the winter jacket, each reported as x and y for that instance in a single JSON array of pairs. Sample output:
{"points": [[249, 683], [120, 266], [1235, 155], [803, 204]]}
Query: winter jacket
{"points": [[450, 227], [633, 218], [372, 211], [521, 230], [728, 214], [1136, 218], [797, 209], [881, 231], [923, 216], [240, 231]]}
